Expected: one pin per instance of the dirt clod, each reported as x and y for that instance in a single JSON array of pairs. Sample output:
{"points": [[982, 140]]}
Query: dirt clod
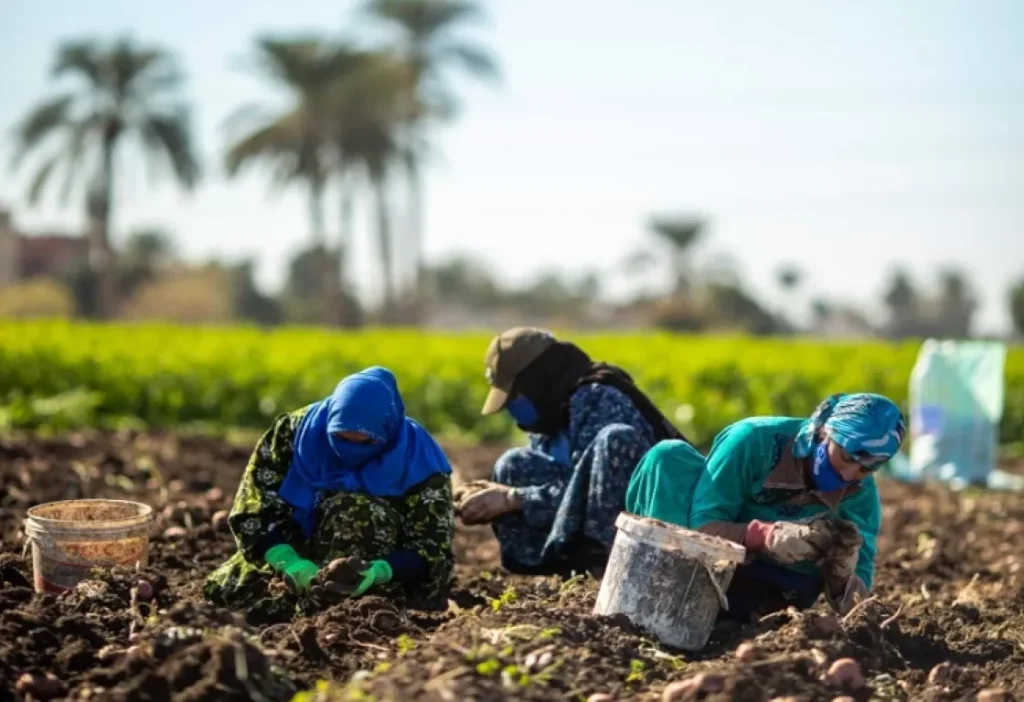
{"points": [[40, 687]]}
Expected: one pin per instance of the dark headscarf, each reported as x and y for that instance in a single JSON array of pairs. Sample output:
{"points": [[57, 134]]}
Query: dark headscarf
{"points": [[550, 381]]}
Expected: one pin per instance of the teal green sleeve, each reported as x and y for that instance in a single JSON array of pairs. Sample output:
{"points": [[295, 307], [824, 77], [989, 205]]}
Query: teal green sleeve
{"points": [[864, 510], [663, 482], [735, 467]]}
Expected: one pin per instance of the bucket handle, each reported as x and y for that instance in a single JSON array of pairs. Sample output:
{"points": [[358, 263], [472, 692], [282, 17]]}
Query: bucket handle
{"points": [[722, 599], [28, 544]]}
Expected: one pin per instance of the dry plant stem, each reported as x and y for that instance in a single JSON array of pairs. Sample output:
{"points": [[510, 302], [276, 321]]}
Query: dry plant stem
{"points": [[857, 607], [888, 622]]}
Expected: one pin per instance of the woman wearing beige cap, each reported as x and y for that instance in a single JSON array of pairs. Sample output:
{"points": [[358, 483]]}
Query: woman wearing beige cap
{"points": [[553, 503]]}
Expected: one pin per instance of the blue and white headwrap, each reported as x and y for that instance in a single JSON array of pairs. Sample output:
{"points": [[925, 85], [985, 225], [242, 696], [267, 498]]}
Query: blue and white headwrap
{"points": [[869, 427]]}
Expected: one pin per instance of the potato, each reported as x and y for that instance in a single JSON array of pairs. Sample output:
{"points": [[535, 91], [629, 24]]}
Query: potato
{"points": [[689, 689], [746, 652], [845, 673], [940, 673]]}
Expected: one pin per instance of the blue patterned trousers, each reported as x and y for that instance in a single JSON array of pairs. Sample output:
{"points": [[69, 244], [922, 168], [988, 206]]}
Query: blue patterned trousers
{"points": [[568, 516]]}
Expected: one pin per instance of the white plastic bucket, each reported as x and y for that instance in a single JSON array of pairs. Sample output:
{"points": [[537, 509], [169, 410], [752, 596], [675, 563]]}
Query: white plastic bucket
{"points": [[668, 580], [71, 537]]}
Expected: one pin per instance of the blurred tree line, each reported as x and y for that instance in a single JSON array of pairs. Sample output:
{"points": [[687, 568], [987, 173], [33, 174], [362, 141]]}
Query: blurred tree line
{"points": [[359, 121], [679, 291], [358, 124]]}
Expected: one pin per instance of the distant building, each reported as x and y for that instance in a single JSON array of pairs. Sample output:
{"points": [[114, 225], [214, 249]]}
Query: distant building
{"points": [[48, 255]]}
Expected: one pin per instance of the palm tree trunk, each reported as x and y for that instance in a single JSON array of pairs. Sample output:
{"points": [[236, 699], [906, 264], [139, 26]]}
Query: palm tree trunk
{"points": [[415, 224], [346, 316], [328, 296], [101, 255], [384, 241]]}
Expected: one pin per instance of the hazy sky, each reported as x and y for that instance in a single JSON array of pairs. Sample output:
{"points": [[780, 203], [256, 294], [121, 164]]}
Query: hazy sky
{"points": [[841, 136]]}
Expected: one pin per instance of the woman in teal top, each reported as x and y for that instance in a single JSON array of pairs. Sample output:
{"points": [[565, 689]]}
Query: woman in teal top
{"points": [[767, 482]]}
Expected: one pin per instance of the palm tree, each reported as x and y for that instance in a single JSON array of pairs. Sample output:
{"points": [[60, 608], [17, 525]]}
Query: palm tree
{"points": [[903, 301], [429, 45], [789, 278], [298, 143], [1017, 306], [368, 105], [679, 235], [126, 90], [957, 303]]}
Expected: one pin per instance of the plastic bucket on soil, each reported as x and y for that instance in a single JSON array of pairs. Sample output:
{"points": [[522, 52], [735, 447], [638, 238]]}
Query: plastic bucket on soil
{"points": [[71, 537], [668, 580]]}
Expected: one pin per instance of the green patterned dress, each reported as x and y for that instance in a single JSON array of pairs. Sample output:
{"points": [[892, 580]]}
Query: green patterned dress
{"points": [[348, 524]]}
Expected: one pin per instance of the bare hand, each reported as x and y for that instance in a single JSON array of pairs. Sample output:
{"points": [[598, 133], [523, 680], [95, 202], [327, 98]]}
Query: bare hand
{"points": [[488, 504]]}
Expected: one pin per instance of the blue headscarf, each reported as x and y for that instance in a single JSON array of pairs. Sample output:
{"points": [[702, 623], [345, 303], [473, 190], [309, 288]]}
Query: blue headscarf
{"points": [[869, 427], [402, 454]]}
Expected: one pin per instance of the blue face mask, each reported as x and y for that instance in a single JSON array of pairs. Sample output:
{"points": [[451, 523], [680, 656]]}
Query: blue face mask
{"points": [[354, 452], [826, 477], [523, 411]]}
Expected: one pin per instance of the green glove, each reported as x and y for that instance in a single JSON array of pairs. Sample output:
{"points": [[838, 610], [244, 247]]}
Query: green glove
{"points": [[298, 570], [378, 573]]}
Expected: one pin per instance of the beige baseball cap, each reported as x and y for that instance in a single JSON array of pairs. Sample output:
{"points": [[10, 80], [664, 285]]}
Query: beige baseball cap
{"points": [[507, 355]]}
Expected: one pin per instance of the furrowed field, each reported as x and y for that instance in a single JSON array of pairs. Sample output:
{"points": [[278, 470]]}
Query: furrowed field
{"points": [[61, 375], [109, 411]]}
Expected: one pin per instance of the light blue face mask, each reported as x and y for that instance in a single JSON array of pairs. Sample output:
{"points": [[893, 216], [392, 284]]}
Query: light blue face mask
{"points": [[825, 475], [523, 411]]}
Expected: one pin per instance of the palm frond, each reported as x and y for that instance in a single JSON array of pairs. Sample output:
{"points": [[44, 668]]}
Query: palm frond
{"points": [[83, 58], [271, 140], [301, 64], [424, 19], [169, 136], [159, 78], [477, 61], [42, 177], [78, 138], [681, 233], [39, 124]]}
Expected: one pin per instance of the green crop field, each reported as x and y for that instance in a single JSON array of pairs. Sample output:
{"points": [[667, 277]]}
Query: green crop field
{"points": [[60, 375]]}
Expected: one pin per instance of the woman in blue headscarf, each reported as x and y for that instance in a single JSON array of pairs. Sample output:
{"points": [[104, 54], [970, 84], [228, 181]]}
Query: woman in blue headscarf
{"points": [[348, 477], [799, 494]]}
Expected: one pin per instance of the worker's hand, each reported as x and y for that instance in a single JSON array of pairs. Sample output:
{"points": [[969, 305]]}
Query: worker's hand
{"points": [[840, 563], [841, 559], [842, 597], [299, 572], [377, 573], [787, 542], [487, 504]]}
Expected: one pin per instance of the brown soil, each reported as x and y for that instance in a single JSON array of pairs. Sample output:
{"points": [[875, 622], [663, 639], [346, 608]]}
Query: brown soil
{"points": [[950, 591]]}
